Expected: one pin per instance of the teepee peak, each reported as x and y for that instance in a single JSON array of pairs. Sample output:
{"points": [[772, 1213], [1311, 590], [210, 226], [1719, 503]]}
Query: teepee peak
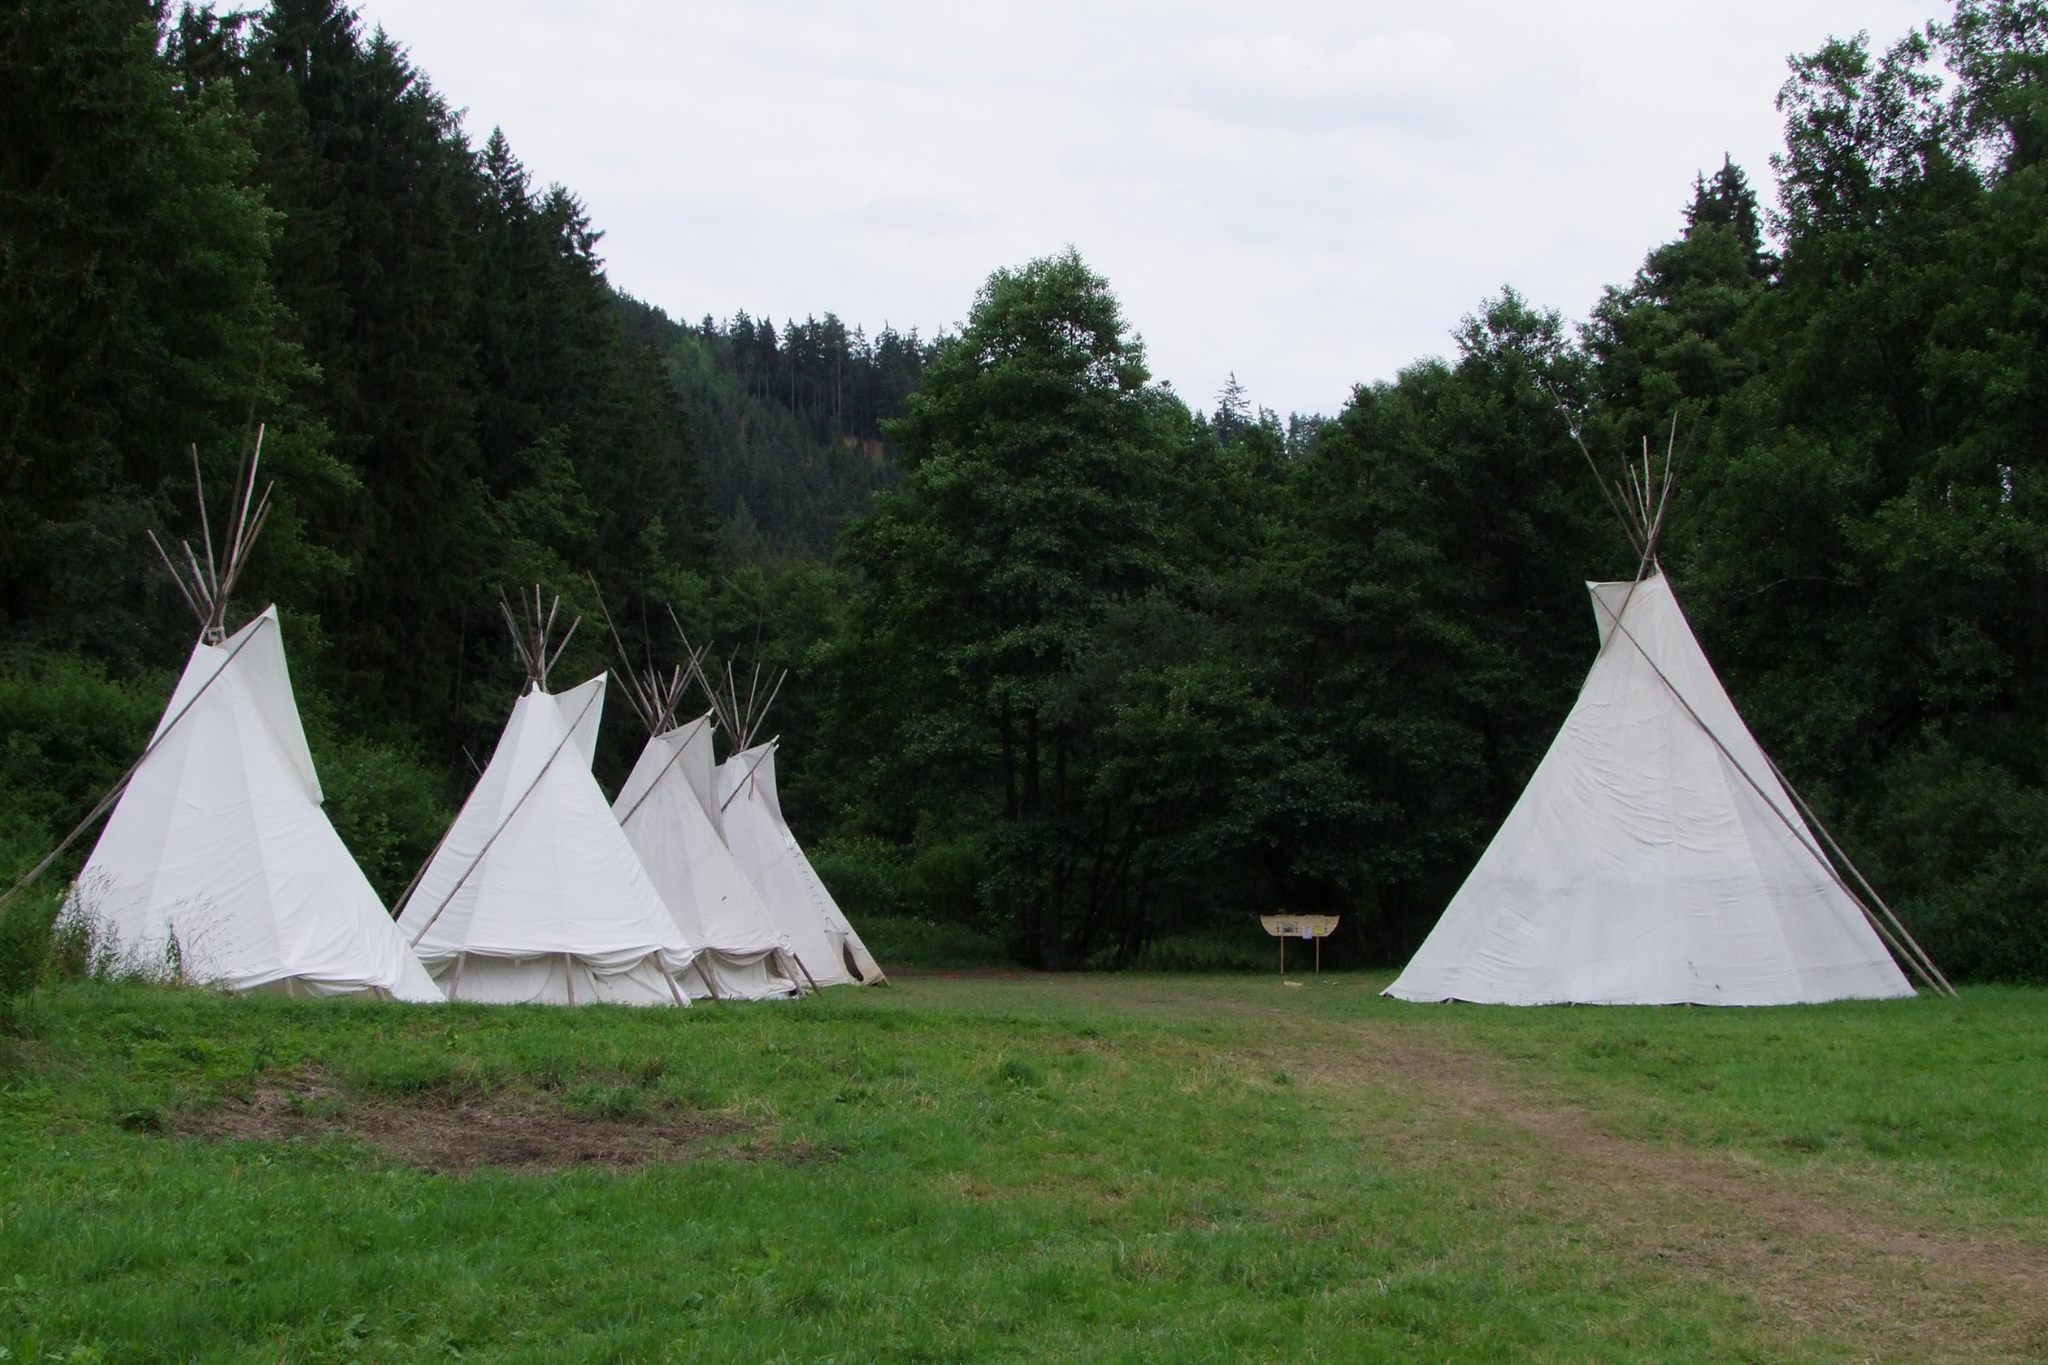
{"points": [[207, 583]]}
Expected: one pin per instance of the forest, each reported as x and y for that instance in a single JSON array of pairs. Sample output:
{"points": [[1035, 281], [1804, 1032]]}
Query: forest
{"points": [[1075, 668]]}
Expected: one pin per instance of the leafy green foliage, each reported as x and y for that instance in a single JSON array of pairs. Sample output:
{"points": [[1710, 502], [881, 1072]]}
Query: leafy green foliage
{"points": [[1038, 502], [388, 806], [67, 732], [25, 939], [788, 425], [1091, 672]]}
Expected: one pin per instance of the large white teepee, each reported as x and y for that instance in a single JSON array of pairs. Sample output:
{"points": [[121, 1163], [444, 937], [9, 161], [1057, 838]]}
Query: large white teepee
{"points": [[218, 864], [535, 895], [667, 811], [1655, 857], [798, 903]]}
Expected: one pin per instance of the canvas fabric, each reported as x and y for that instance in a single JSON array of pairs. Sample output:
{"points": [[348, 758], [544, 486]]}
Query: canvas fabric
{"points": [[535, 873], [1647, 863], [798, 903], [662, 809], [218, 864]]}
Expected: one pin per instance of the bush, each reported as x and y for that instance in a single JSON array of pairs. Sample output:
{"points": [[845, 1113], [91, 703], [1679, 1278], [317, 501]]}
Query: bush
{"points": [[24, 954], [67, 733], [929, 881], [1232, 948], [1960, 848], [911, 941], [865, 875], [388, 807]]}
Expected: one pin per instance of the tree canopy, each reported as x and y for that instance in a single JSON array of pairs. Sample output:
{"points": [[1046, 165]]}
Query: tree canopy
{"points": [[1073, 664]]}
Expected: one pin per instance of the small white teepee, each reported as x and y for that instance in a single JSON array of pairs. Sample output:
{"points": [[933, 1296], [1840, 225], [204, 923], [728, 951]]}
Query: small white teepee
{"points": [[535, 895], [665, 810], [218, 865], [747, 813], [761, 842], [1656, 856]]}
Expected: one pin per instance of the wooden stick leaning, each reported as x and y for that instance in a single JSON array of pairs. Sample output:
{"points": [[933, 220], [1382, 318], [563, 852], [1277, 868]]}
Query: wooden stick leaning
{"points": [[114, 792], [1857, 872], [568, 734], [1804, 841]]}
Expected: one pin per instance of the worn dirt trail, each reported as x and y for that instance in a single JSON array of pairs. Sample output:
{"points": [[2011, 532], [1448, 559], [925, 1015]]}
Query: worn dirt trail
{"points": [[1811, 1258]]}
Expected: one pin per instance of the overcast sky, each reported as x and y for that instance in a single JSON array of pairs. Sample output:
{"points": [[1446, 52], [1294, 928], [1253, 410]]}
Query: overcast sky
{"points": [[1308, 194]]}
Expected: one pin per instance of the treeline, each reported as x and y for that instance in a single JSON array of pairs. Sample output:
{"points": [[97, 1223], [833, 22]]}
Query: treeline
{"points": [[1089, 672], [215, 220], [1112, 673], [788, 425]]}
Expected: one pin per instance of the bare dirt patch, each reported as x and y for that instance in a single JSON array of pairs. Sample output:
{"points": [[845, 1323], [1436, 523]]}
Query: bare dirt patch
{"points": [[455, 1135]]}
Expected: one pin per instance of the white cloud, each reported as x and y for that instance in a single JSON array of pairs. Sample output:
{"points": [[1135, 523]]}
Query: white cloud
{"points": [[1309, 194]]}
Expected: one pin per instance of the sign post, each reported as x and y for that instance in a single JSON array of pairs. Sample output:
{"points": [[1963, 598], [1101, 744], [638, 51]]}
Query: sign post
{"points": [[1313, 927]]}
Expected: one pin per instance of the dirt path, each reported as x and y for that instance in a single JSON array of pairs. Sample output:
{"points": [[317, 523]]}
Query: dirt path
{"points": [[1812, 1259]]}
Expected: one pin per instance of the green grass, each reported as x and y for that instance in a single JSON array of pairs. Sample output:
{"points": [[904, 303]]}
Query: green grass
{"points": [[1008, 1167]]}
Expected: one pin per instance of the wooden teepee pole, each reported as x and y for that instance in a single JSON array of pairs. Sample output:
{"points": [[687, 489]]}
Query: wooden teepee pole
{"points": [[1861, 880], [113, 793], [1934, 983]]}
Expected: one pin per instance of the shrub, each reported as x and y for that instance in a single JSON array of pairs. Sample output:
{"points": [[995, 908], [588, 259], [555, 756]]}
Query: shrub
{"points": [[1237, 947], [865, 875], [914, 941], [1960, 848], [930, 880], [67, 733], [388, 807], [24, 954]]}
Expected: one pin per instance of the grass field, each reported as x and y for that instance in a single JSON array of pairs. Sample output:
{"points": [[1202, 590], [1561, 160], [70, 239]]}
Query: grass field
{"points": [[1010, 1166]]}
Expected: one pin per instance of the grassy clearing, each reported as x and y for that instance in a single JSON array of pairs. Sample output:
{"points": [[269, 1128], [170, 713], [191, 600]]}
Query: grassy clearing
{"points": [[1001, 1167]]}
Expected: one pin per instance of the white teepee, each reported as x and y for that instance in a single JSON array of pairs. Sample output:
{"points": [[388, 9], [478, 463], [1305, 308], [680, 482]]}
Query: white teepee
{"points": [[800, 906], [535, 895], [218, 865], [1657, 856], [1654, 858], [666, 809]]}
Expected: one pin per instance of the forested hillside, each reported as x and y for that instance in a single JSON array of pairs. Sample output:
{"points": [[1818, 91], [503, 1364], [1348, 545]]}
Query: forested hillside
{"points": [[1073, 665], [788, 426]]}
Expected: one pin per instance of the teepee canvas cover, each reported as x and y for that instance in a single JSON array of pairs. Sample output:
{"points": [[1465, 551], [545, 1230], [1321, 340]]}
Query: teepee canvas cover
{"points": [[666, 810], [1655, 857], [800, 906], [218, 860], [535, 895]]}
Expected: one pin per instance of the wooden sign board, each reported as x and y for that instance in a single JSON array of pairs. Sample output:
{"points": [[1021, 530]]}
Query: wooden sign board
{"points": [[1315, 927], [1299, 926]]}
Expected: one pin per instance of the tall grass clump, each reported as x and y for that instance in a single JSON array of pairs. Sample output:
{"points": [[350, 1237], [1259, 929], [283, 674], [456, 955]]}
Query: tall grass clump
{"points": [[26, 933]]}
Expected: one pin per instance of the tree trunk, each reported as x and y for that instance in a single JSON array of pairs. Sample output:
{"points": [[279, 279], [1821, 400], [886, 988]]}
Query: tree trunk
{"points": [[1007, 904], [1051, 926], [1031, 917]]}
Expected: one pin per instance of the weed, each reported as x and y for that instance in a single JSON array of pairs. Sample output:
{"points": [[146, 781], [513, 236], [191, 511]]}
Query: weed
{"points": [[595, 1099], [1019, 1074], [24, 956]]}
